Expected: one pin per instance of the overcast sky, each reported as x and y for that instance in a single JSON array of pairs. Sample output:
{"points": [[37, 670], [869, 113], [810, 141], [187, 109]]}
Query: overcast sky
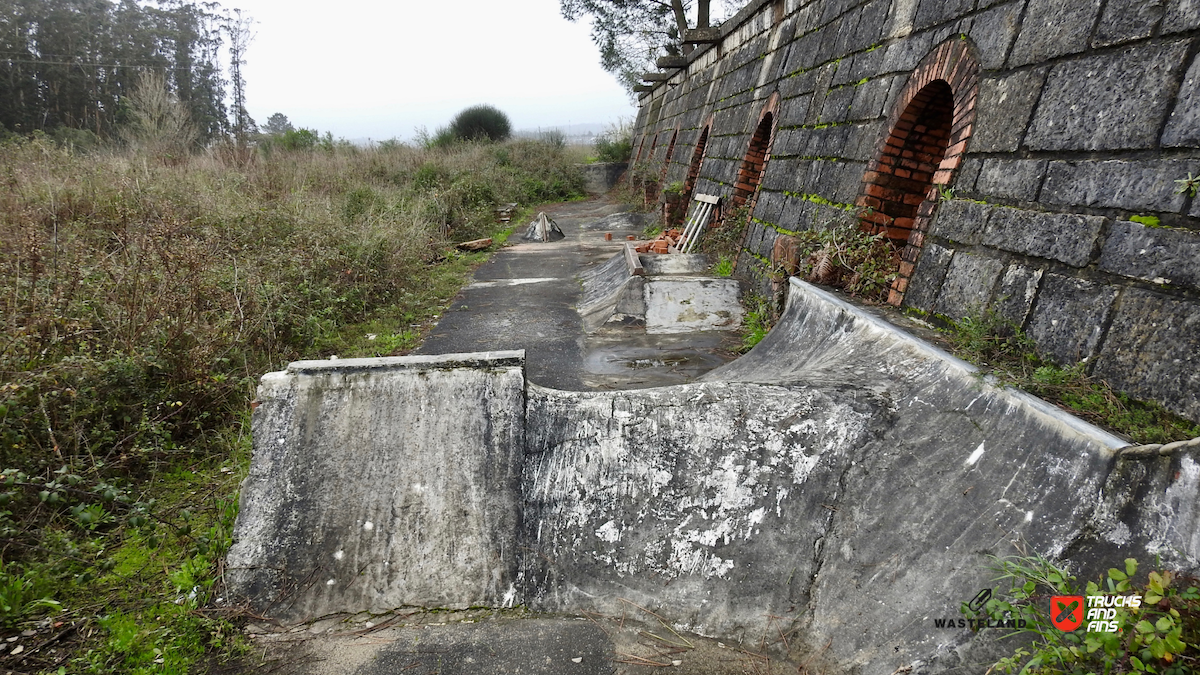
{"points": [[378, 69]]}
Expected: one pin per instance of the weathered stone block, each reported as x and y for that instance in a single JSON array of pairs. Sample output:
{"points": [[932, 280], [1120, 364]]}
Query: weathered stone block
{"points": [[927, 279], [784, 174], [904, 55], [967, 174], [1125, 20], [769, 207], [871, 99], [1014, 297], [1068, 318], [962, 221], [828, 142], [1153, 351], [1064, 237], [933, 12], [1147, 185], [1005, 105], [1052, 28], [993, 32], [1182, 15], [836, 107], [1014, 179], [1107, 102], [968, 285], [1156, 254], [1183, 127]]}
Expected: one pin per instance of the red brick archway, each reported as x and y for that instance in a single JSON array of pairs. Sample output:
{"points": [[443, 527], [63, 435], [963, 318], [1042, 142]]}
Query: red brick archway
{"points": [[758, 153], [693, 174], [670, 151], [927, 135]]}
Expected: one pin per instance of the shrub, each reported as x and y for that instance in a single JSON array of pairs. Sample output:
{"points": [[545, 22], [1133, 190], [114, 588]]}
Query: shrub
{"points": [[481, 122]]}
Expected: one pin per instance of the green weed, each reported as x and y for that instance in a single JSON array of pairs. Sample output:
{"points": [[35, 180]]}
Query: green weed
{"points": [[758, 322], [994, 343], [142, 302], [1160, 636], [1148, 221]]}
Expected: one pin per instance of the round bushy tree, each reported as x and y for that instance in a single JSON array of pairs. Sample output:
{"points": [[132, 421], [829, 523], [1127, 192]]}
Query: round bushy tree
{"points": [[481, 122]]}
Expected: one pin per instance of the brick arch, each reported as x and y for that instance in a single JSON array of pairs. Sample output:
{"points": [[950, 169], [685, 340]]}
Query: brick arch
{"points": [[670, 151], [758, 153], [927, 135], [697, 163]]}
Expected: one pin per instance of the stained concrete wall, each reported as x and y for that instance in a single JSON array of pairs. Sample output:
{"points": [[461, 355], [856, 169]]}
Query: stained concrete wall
{"points": [[1086, 114], [842, 478], [378, 483]]}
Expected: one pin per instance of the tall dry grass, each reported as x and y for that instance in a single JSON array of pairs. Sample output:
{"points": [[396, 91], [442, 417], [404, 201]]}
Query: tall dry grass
{"points": [[140, 299]]}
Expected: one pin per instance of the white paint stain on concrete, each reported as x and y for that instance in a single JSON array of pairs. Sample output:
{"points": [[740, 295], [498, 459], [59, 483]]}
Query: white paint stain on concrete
{"points": [[975, 456]]}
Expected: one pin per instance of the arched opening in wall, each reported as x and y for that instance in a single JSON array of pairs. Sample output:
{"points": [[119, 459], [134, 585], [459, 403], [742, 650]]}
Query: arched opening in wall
{"points": [[670, 151], [755, 162], [911, 156], [641, 146], [693, 174], [927, 134]]}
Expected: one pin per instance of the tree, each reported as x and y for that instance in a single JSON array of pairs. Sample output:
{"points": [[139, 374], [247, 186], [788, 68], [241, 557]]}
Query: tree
{"points": [[481, 122], [632, 34], [277, 125]]}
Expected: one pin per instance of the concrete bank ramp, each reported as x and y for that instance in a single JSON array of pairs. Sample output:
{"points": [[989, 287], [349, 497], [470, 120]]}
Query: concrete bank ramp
{"points": [[667, 294], [830, 494]]}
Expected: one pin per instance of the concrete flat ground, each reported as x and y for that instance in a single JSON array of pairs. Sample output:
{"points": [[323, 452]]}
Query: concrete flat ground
{"points": [[525, 298], [503, 642]]}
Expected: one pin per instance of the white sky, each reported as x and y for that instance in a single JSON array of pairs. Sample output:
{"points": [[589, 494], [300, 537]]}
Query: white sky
{"points": [[378, 69]]}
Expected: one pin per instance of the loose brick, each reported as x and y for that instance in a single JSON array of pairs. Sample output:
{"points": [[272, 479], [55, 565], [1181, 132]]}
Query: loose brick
{"points": [[1155, 254], [1142, 185], [1107, 102], [968, 285], [1152, 351], [1065, 237], [1068, 318], [1011, 179]]}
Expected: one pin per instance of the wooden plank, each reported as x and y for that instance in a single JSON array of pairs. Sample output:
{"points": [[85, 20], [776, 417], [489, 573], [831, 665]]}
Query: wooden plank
{"points": [[707, 199], [632, 261]]}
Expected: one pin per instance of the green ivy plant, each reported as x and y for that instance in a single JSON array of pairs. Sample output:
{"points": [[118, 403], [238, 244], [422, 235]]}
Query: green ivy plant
{"points": [[1159, 638]]}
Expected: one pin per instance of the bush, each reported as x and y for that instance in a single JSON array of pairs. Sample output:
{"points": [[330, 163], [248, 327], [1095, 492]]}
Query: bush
{"points": [[613, 150], [143, 300], [481, 122]]}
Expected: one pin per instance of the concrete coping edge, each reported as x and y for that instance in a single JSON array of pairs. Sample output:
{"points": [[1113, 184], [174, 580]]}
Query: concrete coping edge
{"points": [[497, 359], [1107, 440]]}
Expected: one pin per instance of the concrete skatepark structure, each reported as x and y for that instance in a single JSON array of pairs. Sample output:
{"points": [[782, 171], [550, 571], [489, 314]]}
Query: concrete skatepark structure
{"points": [[844, 483], [843, 477]]}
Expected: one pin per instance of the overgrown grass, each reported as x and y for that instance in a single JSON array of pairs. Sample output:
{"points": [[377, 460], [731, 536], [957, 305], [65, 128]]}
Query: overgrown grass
{"points": [[988, 340], [140, 302], [861, 264]]}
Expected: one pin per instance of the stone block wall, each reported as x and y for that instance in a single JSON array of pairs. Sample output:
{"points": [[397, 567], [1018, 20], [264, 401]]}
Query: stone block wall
{"points": [[1068, 120]]}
